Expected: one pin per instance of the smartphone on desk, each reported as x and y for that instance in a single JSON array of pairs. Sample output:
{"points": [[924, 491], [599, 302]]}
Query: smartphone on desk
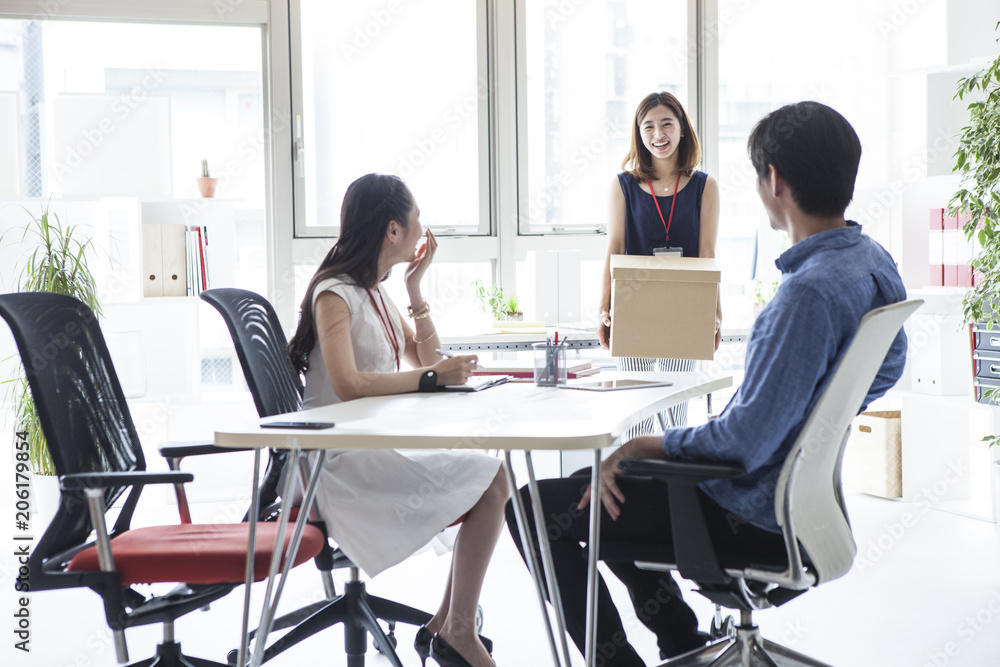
{"points": [[312, 426]]}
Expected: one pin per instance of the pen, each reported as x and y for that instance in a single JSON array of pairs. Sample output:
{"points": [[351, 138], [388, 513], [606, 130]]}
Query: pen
{"points": [[450, 355]]}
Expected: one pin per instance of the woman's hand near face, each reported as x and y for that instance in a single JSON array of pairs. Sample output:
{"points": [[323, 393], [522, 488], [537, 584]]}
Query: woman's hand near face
{"points": [[422, 259], [455, 370]]}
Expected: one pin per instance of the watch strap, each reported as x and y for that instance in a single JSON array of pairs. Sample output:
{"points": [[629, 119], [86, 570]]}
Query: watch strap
{"points": [[428, 381]]}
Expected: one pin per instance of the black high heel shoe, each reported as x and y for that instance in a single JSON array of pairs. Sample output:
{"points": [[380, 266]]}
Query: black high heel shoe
{"points": [[447, 656], [422, 644]]}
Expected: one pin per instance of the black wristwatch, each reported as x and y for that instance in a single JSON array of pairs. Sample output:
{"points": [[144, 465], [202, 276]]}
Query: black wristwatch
{"points": [[429, 381]]}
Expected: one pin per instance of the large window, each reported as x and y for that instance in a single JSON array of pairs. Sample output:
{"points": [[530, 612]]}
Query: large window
{"points": [[397, 87], [107, 124], [588, 65], [129, 111], [866, 63]]}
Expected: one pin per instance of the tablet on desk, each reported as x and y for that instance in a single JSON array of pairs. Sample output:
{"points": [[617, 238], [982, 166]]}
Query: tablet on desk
{"points": [[613, 385], [310, 426]]}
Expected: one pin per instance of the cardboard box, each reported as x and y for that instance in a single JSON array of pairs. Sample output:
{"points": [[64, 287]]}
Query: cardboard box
{"points": [[663, 307], [873, 460]]}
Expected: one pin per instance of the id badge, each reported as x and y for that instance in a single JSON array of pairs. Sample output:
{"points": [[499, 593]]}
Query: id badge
{"points": [[668, 252]]}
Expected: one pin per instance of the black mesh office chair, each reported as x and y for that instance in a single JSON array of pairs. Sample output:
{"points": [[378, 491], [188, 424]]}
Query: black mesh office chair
{"points": [[277, 388], [809, 505], [99, 459]]}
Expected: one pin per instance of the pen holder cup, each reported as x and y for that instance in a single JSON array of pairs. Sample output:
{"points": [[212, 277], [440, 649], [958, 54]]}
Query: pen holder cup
{"points": [[550, 364]]}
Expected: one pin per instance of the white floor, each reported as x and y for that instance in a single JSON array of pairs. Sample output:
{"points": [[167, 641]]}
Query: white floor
{"points": [[924, 592]]}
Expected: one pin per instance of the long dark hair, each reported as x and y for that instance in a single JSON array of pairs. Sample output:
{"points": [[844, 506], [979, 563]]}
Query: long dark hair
{"points": [[639, 162], [369, 204]]}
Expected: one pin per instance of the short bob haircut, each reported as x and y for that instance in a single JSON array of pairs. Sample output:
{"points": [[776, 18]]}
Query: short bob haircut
{"points": [[814, 149], [639, 162]]}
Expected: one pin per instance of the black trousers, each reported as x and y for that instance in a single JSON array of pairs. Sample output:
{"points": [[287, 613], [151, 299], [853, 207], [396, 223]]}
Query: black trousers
{"points": [[655, 596]]}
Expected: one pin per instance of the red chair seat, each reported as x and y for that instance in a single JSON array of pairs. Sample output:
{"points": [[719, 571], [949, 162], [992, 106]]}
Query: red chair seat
{"points": [[194, 553]]}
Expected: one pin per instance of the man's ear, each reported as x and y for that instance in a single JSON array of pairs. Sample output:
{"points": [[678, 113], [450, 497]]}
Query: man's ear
{"points": [[775, 183]]}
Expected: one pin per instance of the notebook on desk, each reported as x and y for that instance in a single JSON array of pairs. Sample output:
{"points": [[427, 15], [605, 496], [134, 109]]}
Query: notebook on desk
{"points": [[477, 383]]}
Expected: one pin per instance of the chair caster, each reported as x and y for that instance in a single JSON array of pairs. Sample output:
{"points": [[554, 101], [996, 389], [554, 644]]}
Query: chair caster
{"points": [[391, 636], [726, 628]]}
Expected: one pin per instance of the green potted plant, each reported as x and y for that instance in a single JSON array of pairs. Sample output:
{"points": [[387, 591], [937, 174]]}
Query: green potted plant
{"points": [[59, 263], [977, 200], [492, 301], [206, 184], [512, 309]]}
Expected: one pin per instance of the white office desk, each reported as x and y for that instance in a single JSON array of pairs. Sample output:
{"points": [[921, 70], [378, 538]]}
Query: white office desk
{"points": [[513, 416]]}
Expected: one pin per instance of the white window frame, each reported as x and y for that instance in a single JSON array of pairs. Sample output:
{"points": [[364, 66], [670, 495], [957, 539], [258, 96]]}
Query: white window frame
{"points": [[258, 13], [503, 192], [299, 152]]}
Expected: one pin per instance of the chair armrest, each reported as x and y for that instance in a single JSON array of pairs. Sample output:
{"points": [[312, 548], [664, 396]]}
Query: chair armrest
{"points": [[180, 450], [694, 550], [699, 470], [100, 480]]}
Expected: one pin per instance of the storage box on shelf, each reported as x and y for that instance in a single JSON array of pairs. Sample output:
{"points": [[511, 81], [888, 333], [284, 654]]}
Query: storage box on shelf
{"points": [[179, 258]]}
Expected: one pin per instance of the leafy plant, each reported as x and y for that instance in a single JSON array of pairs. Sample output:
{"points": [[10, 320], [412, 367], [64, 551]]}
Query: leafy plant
{"points": [[763, 292], [490, 299], [511, 305], [59, 263], [204, 169], [977, 159]]}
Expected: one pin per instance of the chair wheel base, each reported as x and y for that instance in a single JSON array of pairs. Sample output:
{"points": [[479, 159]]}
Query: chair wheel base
{"points": [[744, 648], [168, 654], [390, 635]]}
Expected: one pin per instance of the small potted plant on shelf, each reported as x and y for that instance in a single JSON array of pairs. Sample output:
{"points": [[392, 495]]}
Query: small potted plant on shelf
{"points": [[59, 263], [512, 309], [206, 184]]}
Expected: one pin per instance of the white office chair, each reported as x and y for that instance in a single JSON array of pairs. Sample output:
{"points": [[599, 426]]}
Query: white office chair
{"points": [[809, 506]]}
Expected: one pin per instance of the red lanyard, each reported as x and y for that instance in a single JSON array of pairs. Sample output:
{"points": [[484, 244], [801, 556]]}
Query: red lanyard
{"points": [[669, 221], [386, 324]]}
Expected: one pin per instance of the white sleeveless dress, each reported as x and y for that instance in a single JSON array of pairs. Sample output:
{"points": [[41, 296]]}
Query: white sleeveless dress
{"points": [[381, 506]]}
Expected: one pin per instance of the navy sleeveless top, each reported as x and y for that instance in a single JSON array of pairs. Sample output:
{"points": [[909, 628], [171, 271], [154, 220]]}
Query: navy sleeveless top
{"points": [[643, 227]]}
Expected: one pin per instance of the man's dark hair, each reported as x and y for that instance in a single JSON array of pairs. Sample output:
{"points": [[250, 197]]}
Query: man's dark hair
{"points": [[814, 149]]}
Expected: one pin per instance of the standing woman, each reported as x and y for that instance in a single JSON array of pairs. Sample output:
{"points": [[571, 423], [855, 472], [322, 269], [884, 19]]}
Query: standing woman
{"points": [[350, 343], [660, 201]]}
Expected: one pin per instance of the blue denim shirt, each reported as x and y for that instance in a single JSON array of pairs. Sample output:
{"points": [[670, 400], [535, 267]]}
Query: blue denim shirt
{"points": [[829, 281]]}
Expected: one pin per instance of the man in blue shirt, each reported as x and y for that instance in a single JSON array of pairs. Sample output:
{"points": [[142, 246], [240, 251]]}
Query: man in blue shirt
{"points": [[806, 156]]}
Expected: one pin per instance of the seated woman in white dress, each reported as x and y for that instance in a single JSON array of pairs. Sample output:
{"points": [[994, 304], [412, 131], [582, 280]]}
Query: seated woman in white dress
{"points": [[350, 342]]}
